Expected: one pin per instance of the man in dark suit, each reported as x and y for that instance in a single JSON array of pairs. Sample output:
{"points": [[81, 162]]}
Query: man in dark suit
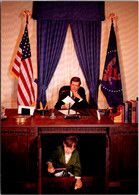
{"points": [[76, 92]]}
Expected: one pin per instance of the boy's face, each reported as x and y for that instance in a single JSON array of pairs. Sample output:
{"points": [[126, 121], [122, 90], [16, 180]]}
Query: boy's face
{"points": [[67, 149]]}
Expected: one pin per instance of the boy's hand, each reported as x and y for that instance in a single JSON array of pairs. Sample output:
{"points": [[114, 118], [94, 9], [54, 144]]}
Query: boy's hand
{"points": [[50, 168], [78, 184]]}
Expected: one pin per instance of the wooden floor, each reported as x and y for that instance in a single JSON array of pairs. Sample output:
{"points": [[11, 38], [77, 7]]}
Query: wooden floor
{"points": [[91, 185], [66, 186]]}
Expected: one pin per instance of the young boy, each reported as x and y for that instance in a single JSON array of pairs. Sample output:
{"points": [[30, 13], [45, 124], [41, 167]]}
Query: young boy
{"points": [[66, 158]]}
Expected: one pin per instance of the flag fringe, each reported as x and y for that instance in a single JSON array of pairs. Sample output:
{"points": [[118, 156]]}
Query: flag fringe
{"points": [[41, 107], [46, 106], [33, 104], [14, 75], [105, 99]]}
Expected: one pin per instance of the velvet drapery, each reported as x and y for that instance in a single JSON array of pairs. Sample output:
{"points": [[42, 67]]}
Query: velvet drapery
{"points": [[86, 37], [50, 41], [85, 21]]}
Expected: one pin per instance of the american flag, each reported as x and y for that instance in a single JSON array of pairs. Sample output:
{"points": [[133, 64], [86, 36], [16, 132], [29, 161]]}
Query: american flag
{"points": [[23, 71]]}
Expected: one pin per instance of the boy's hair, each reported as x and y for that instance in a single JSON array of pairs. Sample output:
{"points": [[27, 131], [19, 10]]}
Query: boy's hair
{"points": [[75, 79], [70, 140]]}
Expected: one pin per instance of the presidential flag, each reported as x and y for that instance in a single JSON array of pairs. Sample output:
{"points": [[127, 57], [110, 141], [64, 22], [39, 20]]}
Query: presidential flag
{"points": [[23, 71], [111, 85]]}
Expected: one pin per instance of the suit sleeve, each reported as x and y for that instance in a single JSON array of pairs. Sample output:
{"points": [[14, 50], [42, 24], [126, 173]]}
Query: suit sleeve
{"points": [[77, 166], [61, 97], [81, 104], [60, 102], [54, 156]]}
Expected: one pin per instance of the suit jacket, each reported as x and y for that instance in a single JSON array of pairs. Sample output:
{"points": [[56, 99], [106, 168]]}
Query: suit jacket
{"points": [[73, 165], [78, 104]]}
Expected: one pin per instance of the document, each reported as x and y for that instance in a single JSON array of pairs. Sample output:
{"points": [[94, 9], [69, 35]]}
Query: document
{"points": [[29, 108], [66, 112], [59, 174], [68, 100]]}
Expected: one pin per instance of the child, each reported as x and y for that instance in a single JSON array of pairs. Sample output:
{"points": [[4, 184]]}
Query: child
{"points": [[66, 158]]}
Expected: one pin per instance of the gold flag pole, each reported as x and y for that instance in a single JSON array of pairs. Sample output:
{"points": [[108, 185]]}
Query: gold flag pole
{"points": [[109, 109], [27, 14]]}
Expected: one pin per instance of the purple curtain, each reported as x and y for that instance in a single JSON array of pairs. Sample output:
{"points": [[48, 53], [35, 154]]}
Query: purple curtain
{"points": [[50, 40], [86, 37], [52, 23], [68, 10]]}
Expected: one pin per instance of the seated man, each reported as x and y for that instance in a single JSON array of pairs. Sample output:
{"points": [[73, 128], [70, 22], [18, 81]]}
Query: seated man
{"points": [[66, 158], [76, 92]]}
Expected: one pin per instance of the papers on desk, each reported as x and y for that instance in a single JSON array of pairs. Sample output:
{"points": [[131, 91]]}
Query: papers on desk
{"points": [[66, 112], [59, 174], [68, 100], [26, 110]]}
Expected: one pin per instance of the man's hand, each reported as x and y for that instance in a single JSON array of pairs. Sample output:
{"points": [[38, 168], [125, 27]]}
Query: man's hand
{"points": [[50, 168], [75, 93], [78, 184], [66, 106]]}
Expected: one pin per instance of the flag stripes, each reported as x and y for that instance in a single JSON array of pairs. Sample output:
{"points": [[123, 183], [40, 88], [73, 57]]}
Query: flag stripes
{"points": [[23, 71], [21, 98]]}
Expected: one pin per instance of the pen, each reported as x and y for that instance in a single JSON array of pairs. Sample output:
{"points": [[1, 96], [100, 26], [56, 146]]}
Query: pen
{"points": [[69, 109], [56, 169]]}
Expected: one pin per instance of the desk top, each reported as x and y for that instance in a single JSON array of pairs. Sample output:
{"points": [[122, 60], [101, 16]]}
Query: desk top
{"points": [[88, 119]]}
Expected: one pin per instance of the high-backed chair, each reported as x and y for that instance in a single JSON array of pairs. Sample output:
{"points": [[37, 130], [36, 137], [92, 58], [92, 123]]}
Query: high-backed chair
{"points": [[65, 89]]}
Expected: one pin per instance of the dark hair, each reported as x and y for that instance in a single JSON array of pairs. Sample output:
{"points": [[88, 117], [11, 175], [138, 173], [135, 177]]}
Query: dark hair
{"points": [[70, 140], [75, 79]]}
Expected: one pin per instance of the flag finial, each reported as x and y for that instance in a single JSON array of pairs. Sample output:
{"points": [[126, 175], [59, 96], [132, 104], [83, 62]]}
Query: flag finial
{"points": [[27, 14], [112, 16]]}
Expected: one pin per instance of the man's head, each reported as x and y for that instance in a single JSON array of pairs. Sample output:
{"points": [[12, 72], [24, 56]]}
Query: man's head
{"points": [[75, 84], [70, 144]]}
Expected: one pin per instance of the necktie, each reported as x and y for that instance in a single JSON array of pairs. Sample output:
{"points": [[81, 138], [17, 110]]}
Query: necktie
{"points": [[72, 96]]}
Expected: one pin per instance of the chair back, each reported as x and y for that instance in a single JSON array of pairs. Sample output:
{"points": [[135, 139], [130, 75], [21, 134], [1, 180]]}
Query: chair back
{"points": [[64, 89]]}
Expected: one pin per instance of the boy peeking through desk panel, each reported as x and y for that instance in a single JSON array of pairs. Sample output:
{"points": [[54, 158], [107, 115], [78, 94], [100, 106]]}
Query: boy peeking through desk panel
{"points": [[65, 161]]}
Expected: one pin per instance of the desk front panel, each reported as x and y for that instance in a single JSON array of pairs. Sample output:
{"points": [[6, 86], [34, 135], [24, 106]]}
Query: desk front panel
{"points": [[19, 141]]}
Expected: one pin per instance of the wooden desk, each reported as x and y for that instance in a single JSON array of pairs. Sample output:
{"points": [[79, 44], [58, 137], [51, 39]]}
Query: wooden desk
{"points": [[19, 140]]}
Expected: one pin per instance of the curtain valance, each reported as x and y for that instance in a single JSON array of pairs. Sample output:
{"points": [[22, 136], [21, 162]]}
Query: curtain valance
{"points": [[68, 10]]}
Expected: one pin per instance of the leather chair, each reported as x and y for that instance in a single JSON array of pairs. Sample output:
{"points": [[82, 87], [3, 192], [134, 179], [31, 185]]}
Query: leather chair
{"points": [[65, 89]]}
